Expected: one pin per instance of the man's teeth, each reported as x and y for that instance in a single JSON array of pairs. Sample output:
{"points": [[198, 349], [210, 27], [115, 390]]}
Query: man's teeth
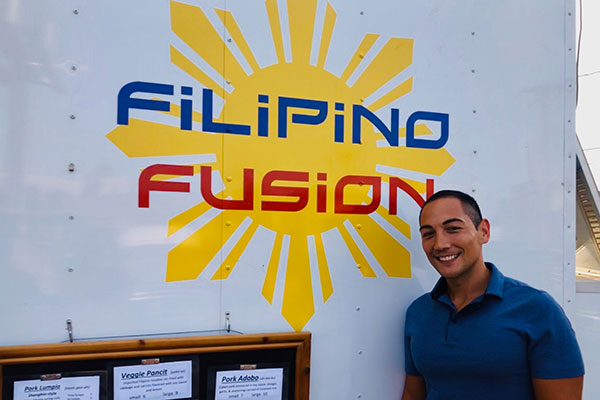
{"points": [[448, 258]]}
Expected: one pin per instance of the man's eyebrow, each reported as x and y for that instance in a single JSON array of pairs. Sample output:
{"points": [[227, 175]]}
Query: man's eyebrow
{"points": [[448, 221], [451, 220]]}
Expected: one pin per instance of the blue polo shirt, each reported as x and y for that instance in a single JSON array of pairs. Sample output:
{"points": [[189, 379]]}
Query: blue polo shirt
{"points": [[494, 346]]}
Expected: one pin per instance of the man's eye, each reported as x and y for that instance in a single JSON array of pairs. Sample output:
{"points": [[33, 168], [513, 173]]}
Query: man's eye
{"points": [[453, 228], [426, 235]]}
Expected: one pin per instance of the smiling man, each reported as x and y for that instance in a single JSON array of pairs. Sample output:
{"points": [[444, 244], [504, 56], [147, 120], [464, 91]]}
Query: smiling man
{"points": [[479, 334]]}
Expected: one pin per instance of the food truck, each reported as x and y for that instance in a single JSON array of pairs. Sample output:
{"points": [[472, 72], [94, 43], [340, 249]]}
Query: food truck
{"points": [[229, 168]]}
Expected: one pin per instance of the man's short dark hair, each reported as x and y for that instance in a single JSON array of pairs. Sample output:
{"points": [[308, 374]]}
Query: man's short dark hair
{"points": [[469, 205]]}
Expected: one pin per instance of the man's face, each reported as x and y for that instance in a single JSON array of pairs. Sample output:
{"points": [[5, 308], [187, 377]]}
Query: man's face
{"points": [[450, 240]]}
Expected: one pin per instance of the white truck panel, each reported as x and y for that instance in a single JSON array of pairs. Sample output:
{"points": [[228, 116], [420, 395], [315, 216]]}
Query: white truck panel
{"points": [[77, 246]]}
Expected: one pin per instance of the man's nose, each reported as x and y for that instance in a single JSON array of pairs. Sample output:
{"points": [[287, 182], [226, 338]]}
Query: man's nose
{"points": [[441, 242]]}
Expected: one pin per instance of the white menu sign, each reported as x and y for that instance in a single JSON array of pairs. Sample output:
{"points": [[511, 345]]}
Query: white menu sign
{"points": [[73, 388], [171, 380], [263, 384]]}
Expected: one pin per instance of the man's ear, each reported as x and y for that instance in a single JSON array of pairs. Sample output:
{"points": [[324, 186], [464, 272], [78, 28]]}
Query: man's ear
{"points": [[484, 230]]}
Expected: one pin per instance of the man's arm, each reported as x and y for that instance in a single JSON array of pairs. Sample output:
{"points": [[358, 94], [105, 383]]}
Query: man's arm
{"points": [[414, 388], [558, 389]]}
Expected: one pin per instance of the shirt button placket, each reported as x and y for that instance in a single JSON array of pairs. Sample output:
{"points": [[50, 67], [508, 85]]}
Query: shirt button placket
{"points": [[451, 326]]}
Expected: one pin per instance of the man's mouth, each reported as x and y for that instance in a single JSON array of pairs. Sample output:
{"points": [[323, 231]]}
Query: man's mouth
{"points": [[447, 257]]}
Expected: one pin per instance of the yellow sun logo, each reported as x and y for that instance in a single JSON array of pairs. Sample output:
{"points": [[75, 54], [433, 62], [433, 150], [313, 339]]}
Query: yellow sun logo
{"points": [[295, 148]]}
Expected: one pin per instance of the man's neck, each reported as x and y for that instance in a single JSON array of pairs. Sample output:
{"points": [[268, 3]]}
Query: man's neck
{"points": [[463, 290]]}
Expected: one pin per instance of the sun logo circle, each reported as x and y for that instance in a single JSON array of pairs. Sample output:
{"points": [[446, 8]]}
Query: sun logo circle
{"points": [[301, 162]]}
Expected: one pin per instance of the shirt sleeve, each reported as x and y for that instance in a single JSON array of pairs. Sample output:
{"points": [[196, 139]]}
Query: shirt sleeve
{"points": [[409, 364], [553, 352]]}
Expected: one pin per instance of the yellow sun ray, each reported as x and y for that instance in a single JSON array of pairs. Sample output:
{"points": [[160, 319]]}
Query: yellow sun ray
{"points": [[396, 222], [328, 25], [189, 258], [268, 288], [298, 301], [393, 58], [426, 161], [235, 32], [324, 275], [359, 258], [399, 91], [301, 15], [364, 46], [163, 177], [232, 258], [420, 130], [419, 186], [147, 139], [273, 14], [192, 70], [391, 255], [181, 220], [186, 21]]}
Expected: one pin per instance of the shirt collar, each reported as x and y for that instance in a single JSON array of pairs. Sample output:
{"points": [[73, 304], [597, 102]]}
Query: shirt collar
{"points": [[495, 287]]}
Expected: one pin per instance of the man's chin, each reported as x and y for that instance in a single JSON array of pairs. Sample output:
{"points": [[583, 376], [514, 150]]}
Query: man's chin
{"points": [[448, 271]]}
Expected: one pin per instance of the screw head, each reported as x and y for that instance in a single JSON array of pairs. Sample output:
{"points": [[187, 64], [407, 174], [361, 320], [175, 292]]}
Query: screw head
{"points": [[72, 116], [76, 12]]}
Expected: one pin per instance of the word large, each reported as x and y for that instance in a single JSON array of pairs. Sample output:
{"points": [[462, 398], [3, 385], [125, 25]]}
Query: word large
{"points": [[297, 196], [302, 111]]}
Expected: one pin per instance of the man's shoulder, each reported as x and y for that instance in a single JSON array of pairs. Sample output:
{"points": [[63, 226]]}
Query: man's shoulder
{"points": [[519, 286], [420, 302], [418, 310], [514, 288]]}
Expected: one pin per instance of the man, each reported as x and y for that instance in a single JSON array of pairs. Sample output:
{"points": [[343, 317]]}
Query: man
{"points": [[479, 334]]}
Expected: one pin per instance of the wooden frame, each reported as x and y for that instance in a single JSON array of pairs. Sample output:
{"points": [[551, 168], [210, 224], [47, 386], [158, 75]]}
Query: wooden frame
{"points": [[78, 351]]}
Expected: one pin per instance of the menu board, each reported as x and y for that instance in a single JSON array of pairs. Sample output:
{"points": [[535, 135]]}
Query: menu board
{"points": [[227, 367], [263, 384], [72, 388], [171, 380]]}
